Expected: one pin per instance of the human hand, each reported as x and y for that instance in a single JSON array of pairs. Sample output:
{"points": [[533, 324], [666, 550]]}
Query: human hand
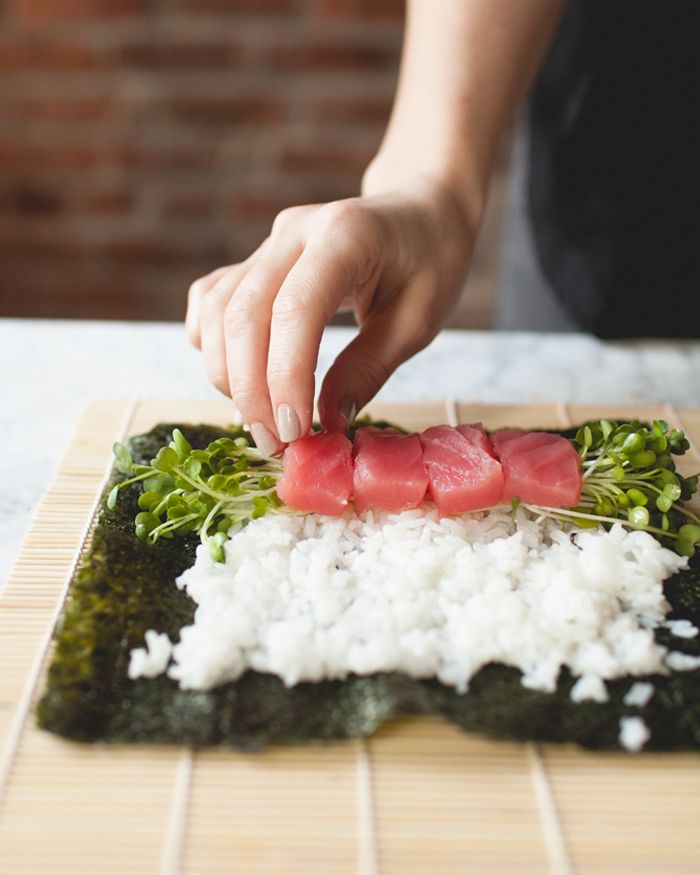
{"points": [[398, 260]]}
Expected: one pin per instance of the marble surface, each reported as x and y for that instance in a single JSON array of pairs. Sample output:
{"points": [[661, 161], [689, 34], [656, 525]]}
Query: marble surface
{"points": [[49, 369]]}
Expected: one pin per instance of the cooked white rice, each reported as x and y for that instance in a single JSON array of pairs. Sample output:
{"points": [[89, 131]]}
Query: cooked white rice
{"points": [[682, 628], [682, 661], [638, 695], [311, 597], [634, 733], [153, 659]]}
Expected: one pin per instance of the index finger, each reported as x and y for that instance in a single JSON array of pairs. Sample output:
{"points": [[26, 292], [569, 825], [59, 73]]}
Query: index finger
{"points": [[324, 275]]}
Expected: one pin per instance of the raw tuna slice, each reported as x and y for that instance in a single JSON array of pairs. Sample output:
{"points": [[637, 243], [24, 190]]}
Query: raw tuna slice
{"points": [[539, 468], [317, 475], [503, 436], [389, 470], [462, 475], [476, 435]]}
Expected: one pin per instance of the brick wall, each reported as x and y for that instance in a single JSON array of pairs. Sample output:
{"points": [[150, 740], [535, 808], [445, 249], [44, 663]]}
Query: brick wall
{"points": [[145, 142]]}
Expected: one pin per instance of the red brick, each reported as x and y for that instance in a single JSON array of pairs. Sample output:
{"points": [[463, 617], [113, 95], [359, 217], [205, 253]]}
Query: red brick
{"points": [[104, 203], [140, 250], [67, 108], [152, 158], [341, 55], [370, 10], [317, 161], [18, 157], [259, 207], [46, 247], [256, 8], [30, 200], [242, 109], [354, 110], [31, 53], [194, 205], [48, 12], [181, 54]]}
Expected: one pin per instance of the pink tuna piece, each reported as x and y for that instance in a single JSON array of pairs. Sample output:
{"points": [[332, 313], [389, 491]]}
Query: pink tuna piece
{"points": [[539, 468], [389, 470], [317, 475], [463, 476], [503, 436], [476, 435]]}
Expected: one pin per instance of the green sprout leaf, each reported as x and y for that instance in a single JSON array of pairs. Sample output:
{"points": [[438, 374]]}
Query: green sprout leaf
{"points": [[206, 491], [688, 539], [629, 477], [123, 460], [112, 498]]}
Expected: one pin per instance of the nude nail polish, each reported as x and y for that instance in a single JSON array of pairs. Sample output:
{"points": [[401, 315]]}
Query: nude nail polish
{"points": [[347, 408], [287, 424], [264, 439]]}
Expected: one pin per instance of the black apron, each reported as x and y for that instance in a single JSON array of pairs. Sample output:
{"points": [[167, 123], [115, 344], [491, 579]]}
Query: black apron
{"points": [[605, 231]]}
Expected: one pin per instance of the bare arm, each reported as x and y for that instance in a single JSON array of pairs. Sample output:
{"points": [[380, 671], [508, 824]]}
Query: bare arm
{"points": [[465, 67], [398, 254]]}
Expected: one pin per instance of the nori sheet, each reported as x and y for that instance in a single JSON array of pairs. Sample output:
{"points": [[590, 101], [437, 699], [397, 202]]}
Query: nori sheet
{"points": [[124, 587]]}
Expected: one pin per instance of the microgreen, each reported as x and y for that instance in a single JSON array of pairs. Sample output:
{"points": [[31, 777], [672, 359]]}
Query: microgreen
{"points": [[201, 491], [630, 477]]}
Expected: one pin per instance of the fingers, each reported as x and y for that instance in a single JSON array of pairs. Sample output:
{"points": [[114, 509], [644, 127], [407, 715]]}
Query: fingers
{"points": [[259, 324], [196, 292], [246, 329], [388, 338], [340, 258]]}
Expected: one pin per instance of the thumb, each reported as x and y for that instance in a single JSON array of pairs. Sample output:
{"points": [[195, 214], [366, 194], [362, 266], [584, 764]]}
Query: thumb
{"points": [[386, 340]]}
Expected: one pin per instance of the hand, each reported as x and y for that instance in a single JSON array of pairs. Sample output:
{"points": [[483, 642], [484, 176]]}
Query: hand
{"points": [[398, 260]]}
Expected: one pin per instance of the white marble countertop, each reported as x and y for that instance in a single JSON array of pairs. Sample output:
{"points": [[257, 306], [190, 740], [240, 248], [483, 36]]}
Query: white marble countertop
{"points": [[49, 369]]}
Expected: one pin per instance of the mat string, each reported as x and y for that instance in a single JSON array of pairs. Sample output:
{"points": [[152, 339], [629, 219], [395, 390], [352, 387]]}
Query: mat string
{"points": [[554, 840], [173, 844]]}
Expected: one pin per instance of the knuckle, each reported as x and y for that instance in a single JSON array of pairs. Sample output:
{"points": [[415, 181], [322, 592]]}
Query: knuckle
{"points": [[293, 305], [349, 230], [194, 335], [246, 400], [285, 372], [240, 309], [339, 225], [286, 219], [338, 215], [219, 379], [197, 289], [214, 300]]}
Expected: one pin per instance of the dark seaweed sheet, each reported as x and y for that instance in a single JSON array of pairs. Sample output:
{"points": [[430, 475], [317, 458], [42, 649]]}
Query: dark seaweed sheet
{"points": [[124, 587]]}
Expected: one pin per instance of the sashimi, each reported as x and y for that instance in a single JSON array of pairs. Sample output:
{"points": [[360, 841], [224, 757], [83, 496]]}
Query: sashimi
{"points": [[539, 468], [463, 476], [503, 436], [476, 434], [389, 470], [318, 474]]}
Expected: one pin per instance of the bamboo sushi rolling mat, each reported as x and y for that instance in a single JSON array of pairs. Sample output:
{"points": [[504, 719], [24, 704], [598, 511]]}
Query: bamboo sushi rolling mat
{"points": [[420, 796]]}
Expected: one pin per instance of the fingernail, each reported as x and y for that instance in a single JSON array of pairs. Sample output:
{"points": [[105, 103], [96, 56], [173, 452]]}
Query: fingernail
{"points": [[347, 408], [264, 439], [287, 424]]}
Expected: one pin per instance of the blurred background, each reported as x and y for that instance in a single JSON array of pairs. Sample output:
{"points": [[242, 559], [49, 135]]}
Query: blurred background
{"points": [[144, 143]]}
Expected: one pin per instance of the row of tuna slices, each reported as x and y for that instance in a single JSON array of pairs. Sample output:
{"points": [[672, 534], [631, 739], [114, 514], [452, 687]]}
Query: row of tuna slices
{"points": [[461, 469]]}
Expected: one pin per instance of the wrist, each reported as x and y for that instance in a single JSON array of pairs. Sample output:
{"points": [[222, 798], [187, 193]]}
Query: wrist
{"points": [[449, 189]]}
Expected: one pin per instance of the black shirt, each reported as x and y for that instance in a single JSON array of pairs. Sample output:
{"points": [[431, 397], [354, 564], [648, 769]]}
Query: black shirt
{"points": [[613, 186]]}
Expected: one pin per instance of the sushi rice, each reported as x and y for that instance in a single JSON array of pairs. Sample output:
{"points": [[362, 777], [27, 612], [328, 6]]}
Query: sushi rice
{"points": [[308, 597]]}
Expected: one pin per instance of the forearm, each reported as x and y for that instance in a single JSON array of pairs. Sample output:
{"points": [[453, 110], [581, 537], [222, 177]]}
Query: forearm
{"points": [[466, 65]]}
